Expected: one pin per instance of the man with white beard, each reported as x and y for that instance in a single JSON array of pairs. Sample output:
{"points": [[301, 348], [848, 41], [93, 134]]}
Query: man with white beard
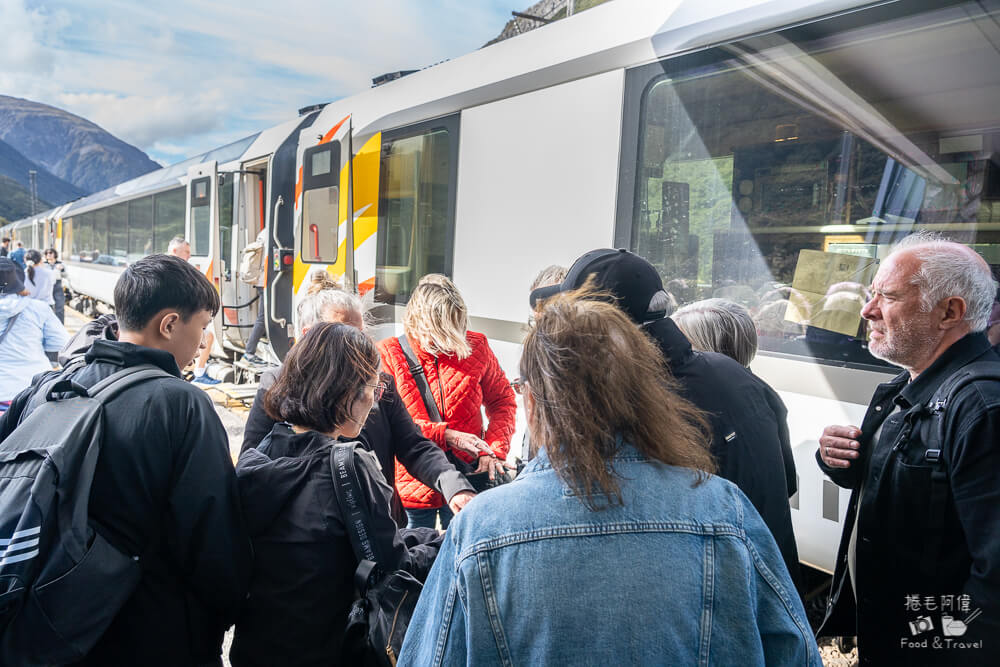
{"points": [[918, 571]]}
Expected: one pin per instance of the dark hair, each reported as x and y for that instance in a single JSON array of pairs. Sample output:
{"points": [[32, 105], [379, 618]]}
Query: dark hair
{"points": [[51, 251], [5, 239], [34, 257], [322, 377], [156, 282], [593, 376]]}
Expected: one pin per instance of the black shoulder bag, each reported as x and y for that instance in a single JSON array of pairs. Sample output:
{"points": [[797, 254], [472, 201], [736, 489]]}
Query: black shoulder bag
{"points": [[480, 481], [377, 622]]}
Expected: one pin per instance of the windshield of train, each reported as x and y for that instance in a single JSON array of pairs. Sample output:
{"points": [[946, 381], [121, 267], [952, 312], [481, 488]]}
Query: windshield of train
{"points": [[777, 171]]}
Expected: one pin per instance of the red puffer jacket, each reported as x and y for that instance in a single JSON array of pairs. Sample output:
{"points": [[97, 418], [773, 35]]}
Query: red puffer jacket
{"points": [[468, 385]]}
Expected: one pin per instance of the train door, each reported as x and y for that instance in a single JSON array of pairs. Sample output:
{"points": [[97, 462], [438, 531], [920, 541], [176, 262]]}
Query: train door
{"points": [[242, 202], [203, 230]]}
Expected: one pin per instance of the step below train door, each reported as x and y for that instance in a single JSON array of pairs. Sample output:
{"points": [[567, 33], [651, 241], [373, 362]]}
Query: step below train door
{"points": [[203, 231]]}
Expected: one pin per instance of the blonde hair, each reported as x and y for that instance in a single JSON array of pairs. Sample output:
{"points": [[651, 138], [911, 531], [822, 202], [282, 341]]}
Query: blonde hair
{"points": [[436, 317], [320, 281]]}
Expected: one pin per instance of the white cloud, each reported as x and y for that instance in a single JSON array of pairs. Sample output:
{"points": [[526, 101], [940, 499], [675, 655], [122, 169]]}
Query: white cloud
{"points": [[172, 78]]}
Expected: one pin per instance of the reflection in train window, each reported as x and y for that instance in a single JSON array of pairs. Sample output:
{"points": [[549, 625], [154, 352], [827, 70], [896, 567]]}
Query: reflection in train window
{"points": [[776, 171], [416, 216], [168, 217], [140, 228]]}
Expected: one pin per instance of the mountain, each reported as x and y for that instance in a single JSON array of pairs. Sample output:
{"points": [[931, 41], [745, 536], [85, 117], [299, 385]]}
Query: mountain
{"points": [[70, 147], [15, 201], [51, 188]]}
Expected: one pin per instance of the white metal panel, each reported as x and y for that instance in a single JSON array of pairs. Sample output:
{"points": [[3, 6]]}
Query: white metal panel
{"points": [[537, 179]]}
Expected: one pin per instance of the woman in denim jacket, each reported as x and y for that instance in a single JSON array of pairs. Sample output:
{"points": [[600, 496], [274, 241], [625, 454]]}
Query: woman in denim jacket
{"points": [[615, 545]]}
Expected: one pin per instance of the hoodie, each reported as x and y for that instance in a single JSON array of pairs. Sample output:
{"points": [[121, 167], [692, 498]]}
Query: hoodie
{"points": [[36, 331], [303, 580]]}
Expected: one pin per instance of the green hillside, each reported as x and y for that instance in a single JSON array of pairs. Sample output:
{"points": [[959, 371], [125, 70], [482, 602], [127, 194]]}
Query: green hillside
{"points": [[15, 200]]}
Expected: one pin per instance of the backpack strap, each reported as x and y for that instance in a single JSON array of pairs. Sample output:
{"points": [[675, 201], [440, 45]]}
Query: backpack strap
{"points": [[10, 325], [940, 484], [357, 520], [107, 388], [417, 371]]}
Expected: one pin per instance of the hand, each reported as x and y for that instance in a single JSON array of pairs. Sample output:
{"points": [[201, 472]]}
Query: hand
{"points": [[466, 442], [460, 500], [492, 465], [838, 446]]}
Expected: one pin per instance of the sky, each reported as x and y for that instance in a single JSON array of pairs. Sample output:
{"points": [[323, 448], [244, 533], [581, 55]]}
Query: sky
{"points": [[181, 77]]}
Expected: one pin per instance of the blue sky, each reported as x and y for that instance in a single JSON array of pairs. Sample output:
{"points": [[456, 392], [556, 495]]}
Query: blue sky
{"points": [[178, 78]]}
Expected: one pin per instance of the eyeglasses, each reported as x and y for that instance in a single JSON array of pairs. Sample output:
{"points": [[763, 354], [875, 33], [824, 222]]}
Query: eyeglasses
{"points": [[517, 384], [380, 389]]}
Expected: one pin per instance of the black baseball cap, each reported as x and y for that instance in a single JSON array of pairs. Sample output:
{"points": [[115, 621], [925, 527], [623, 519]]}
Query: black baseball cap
{"points": [[11, 277], [631, 279]]}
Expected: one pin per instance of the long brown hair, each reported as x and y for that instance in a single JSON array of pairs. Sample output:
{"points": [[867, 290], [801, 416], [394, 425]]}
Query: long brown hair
{"points": [[322, 377], [593, 376]]}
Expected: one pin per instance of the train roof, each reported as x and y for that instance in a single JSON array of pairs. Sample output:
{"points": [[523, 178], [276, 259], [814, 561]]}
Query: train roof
{"points": [[610, 36]]}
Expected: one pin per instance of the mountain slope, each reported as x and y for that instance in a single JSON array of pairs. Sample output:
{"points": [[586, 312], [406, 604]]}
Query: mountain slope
{"points": [[51, 188], [72, 148], [15, 201]]}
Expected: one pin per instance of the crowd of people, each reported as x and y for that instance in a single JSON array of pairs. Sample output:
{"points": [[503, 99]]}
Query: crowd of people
{"points": [[650, 525]]}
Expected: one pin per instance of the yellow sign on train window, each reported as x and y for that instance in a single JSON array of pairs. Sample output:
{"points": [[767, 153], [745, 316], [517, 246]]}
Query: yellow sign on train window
{"points": [[833, 288]]}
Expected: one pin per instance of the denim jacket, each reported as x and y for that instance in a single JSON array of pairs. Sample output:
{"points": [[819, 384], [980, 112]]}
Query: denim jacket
{"points": [[677, 574]]}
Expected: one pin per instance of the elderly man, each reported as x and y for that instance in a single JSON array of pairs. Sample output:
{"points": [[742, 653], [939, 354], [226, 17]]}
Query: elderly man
{"points": [[918, 571]]}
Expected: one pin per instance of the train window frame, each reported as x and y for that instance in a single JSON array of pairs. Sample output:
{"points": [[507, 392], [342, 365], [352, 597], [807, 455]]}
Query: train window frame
{"points": [[451, 125], [315, 186], [640, 81], [201, 230]]}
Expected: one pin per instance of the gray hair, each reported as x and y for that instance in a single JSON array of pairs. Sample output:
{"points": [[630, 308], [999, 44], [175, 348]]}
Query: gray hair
{"points": [[550, 275], [661, 302], [176, 242], [313, 307], [718, 325], [947, 269]]}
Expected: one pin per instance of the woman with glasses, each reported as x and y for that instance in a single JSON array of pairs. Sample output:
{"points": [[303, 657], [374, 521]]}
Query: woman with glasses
{"points": [[302, 585], [463, 377], [615, 545]]}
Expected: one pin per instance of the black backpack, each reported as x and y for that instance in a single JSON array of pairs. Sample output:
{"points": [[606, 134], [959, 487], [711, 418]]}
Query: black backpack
{"points": [[377, 622], [61, 582], [940, 483]]}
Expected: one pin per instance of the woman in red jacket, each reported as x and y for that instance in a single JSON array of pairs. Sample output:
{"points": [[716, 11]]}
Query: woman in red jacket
{"points": [[464, 376]]}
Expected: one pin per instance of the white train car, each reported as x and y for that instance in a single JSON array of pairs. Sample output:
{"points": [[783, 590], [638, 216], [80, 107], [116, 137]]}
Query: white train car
{"points": [[764, 151]]}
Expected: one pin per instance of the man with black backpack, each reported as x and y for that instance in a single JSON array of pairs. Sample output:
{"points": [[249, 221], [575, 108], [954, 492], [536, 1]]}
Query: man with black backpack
{"points": [[918, 570], [162, 493]]}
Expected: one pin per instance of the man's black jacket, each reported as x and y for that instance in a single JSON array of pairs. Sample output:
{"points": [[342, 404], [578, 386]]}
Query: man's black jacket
{"points": [[302, 585], [389, 432], [749, 432], [896, 516], [164, 489]]}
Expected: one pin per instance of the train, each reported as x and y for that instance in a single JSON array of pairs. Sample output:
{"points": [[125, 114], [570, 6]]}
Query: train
{"points": [[765, 151]]}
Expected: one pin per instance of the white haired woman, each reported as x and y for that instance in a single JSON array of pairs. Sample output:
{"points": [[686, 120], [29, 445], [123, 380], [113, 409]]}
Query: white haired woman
{"points": [[464, 376]]}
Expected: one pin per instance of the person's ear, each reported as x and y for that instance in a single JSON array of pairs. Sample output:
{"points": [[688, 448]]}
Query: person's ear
{"points": [[169, 324], [954, 312]]}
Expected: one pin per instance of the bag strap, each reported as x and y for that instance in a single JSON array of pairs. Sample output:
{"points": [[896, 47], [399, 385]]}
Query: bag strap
{"points": [[356, 517], [10, 325], [940, 484], [110, 386], [417, 371]]}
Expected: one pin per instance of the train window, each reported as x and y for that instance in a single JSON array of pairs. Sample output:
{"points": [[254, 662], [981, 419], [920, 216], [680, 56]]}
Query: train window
{"points": [[100, 249], [118, 233], [776, 171], [168, 217], [201, 216], [226, 222], [140, 228], [318, 237], [416, 214]]}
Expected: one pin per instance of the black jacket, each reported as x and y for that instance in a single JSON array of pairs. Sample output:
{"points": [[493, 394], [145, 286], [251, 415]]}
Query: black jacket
{"points": [[302, 586], [164, 488], [897, 518], [389, 432], [749, 432]]}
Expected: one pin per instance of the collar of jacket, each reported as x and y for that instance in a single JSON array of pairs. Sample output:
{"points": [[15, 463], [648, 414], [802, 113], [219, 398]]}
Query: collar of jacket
{"points": [[673, 343], [961, 353], [128, 354], [626, 452]]}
